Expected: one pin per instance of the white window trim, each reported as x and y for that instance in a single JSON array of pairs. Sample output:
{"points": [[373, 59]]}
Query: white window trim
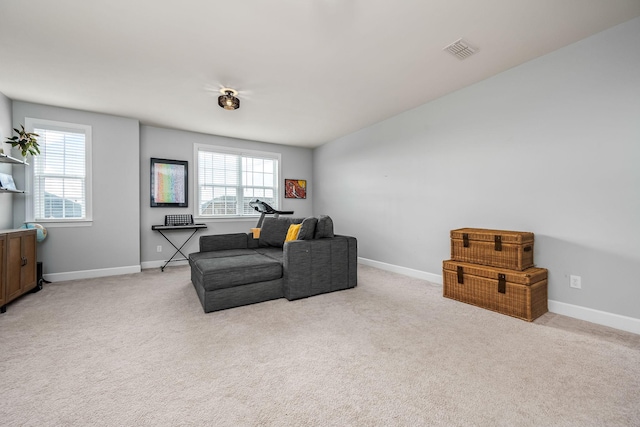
{"points": [[237, 152], [30, 124]]}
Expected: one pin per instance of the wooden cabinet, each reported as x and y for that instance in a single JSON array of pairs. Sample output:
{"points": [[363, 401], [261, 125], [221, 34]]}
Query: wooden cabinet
{"points": [[18, 274], [3, 296]]}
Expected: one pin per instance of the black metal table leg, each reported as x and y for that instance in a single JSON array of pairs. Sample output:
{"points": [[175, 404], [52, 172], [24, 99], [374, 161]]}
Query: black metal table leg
{"points": [[178, 249], [161, 228]]}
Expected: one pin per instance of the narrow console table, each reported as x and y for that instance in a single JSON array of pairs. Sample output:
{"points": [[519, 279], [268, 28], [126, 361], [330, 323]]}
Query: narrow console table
{"points": [[162, 228]]}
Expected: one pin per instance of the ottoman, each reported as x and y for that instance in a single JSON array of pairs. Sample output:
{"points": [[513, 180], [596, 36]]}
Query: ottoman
{"points": [[231, 278]]}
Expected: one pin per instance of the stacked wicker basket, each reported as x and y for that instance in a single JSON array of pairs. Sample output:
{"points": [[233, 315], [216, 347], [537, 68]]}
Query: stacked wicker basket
{"points": [[493, 269]]}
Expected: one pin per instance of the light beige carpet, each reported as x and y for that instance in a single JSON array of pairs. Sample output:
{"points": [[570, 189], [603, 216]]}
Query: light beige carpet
{"points": [[138, 350]]}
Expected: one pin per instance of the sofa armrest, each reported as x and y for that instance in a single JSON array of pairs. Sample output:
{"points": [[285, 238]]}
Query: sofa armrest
{"points": [[220, 242], [312, 267]]}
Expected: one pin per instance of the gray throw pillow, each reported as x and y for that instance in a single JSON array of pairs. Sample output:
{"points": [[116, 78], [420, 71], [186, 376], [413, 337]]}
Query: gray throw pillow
{"points": [[274, 231], [308, 229], [324, 228]]}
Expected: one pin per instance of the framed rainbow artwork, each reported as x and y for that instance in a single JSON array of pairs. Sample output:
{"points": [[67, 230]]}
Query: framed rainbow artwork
{"points": [[169, 183]]}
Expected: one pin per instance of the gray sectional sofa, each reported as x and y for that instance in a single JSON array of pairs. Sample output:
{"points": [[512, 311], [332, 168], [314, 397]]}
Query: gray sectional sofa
{"points": [[231, 270]]}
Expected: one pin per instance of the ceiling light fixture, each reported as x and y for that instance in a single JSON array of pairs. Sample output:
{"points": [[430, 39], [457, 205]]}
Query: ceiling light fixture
{"points": [[228, 99]]}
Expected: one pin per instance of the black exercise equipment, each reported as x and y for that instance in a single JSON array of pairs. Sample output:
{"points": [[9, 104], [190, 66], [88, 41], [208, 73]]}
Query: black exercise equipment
{"points": [[265, 209]]}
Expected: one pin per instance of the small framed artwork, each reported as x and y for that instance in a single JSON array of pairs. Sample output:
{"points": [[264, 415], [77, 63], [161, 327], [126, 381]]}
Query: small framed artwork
{"points": [[295, 188], [169, 183]]}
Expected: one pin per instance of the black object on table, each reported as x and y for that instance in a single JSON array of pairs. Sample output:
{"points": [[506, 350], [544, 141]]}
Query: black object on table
{"points": [[161, 228]]}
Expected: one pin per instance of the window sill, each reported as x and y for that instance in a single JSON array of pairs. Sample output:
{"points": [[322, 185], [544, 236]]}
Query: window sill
{"points": [[48, 223], [226, 219]]}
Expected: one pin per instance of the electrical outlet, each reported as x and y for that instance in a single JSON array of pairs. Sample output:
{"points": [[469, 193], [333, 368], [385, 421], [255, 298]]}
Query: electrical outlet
{"points": [[575, 282], [159, 249]]}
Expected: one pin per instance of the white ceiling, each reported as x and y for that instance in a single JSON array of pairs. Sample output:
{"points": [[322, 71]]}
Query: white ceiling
{"points": [[308, 71]]}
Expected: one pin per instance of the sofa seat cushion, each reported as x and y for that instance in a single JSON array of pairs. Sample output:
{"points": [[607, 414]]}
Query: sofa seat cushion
{"points": [[231, 271], [273, 253]]}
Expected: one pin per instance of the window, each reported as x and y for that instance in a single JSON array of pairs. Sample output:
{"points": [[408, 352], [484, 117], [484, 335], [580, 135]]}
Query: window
{"points": [[61, 178], [228, 179]]}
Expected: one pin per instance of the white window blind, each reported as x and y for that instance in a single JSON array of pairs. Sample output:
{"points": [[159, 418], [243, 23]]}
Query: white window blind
{"points": [[60, 190], [228, 180]]}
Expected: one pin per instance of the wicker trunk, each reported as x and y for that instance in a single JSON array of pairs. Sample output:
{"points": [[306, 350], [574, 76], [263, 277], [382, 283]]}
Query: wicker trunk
{"points": [[497, 248], [521, 294]]}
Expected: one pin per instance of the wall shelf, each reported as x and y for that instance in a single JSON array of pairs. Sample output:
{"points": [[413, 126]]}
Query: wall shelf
{"points": [[8, 159], [12, 160]]}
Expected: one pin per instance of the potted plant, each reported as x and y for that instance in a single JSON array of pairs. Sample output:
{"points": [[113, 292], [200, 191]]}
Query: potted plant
{"points": [[26, 141]]}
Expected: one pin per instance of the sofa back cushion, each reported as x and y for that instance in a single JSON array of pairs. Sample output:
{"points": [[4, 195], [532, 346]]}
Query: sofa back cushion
{"points": [[324, 228], [308, 229], [219, 242], [274, 231]]}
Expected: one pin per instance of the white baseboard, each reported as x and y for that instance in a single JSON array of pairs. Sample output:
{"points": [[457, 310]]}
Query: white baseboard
{"points": [[603, 318], [89, 274], [430, 277], [158, 264]]}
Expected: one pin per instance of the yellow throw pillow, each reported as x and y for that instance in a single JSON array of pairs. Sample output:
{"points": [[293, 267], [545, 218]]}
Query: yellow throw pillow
{"points": [[292, 234]]}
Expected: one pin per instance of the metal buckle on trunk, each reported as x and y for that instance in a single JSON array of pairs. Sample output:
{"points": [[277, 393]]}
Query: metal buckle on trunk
{"points": [[465, 240], [498, 243], [460, 275], [502, 283]]}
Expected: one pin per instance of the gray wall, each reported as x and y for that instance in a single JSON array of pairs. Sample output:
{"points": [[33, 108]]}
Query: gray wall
{"points": [[178, 145], [6, 199], [112, 242], [552, 146]]}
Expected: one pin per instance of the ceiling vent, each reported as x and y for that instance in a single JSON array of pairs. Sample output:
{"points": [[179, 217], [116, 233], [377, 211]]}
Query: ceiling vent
{"points": [[461, 49]]}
